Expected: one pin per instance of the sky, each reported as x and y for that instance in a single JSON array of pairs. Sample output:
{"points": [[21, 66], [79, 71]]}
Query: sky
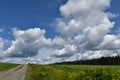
{"points": [[49, 31]]}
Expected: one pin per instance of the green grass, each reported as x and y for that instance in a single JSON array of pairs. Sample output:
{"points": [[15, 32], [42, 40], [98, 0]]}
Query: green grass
{"points": [[72, 72], [7, 66], [113, 69]]}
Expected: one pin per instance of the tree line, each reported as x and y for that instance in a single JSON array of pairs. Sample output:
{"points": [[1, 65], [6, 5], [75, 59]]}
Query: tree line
{"points": [[110, 60]]}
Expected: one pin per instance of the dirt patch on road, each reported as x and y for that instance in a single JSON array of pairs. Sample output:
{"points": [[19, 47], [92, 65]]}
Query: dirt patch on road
{"points": [[17, 73]]}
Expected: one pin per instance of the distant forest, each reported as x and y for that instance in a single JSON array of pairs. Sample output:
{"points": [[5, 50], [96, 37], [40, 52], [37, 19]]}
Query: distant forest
{"points": [[114, 60]]}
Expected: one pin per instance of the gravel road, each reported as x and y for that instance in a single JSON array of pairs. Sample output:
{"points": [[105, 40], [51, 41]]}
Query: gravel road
{"points": [[17, 73]]}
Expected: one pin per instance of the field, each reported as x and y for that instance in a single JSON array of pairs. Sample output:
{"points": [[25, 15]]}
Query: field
{"points": [[6, 66], [72, 72]]}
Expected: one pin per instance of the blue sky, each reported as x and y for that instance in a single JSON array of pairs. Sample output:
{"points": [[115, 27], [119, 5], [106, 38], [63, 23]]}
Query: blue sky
{"points": [[115, 9], [62, 29], [25, 14]]}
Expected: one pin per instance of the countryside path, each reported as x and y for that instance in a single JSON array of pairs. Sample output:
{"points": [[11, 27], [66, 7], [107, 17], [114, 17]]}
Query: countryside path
{"points": [[17, 73]]}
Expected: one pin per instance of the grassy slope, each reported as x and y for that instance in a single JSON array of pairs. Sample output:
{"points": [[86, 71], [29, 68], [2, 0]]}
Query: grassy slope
{"points": [[6, 66], [72, 72]]}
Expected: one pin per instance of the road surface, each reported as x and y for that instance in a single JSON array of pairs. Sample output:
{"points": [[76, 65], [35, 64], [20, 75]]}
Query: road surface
{"points": [[17, 73]]}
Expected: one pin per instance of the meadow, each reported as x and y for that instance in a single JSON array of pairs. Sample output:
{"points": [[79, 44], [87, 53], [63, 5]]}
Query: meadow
{"points": [[6, 66], [72, 72]]}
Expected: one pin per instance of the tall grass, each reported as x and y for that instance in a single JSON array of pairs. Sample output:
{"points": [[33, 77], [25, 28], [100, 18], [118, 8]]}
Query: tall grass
{"points": [[57, 72]]}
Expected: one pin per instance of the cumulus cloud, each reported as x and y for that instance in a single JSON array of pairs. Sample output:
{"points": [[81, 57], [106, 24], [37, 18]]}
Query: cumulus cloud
{"points": [[67, 51], [26, 43], [81, 7], [82, 14], [29, 42], [86, 25], [110, 42], [84, 34]]}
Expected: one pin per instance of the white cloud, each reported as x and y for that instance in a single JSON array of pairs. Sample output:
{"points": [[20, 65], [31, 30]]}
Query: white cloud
{"points": [[30, 42], [57, 42], [83, 28], [81, 7], [110, 42], [26, 43], [81, 15], [110, 15], [67, 51], [85, 24]]}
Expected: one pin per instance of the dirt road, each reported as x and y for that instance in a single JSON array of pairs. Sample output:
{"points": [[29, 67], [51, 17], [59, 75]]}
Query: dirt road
{"points": [[17, 73]]}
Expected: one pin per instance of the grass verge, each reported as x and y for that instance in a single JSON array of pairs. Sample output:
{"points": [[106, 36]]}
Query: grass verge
{"points": [[7, 66]]}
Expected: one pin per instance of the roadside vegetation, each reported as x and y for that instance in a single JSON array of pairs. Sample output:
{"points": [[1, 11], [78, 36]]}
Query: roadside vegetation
{"points": [[7, 66], [72, 72]]}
